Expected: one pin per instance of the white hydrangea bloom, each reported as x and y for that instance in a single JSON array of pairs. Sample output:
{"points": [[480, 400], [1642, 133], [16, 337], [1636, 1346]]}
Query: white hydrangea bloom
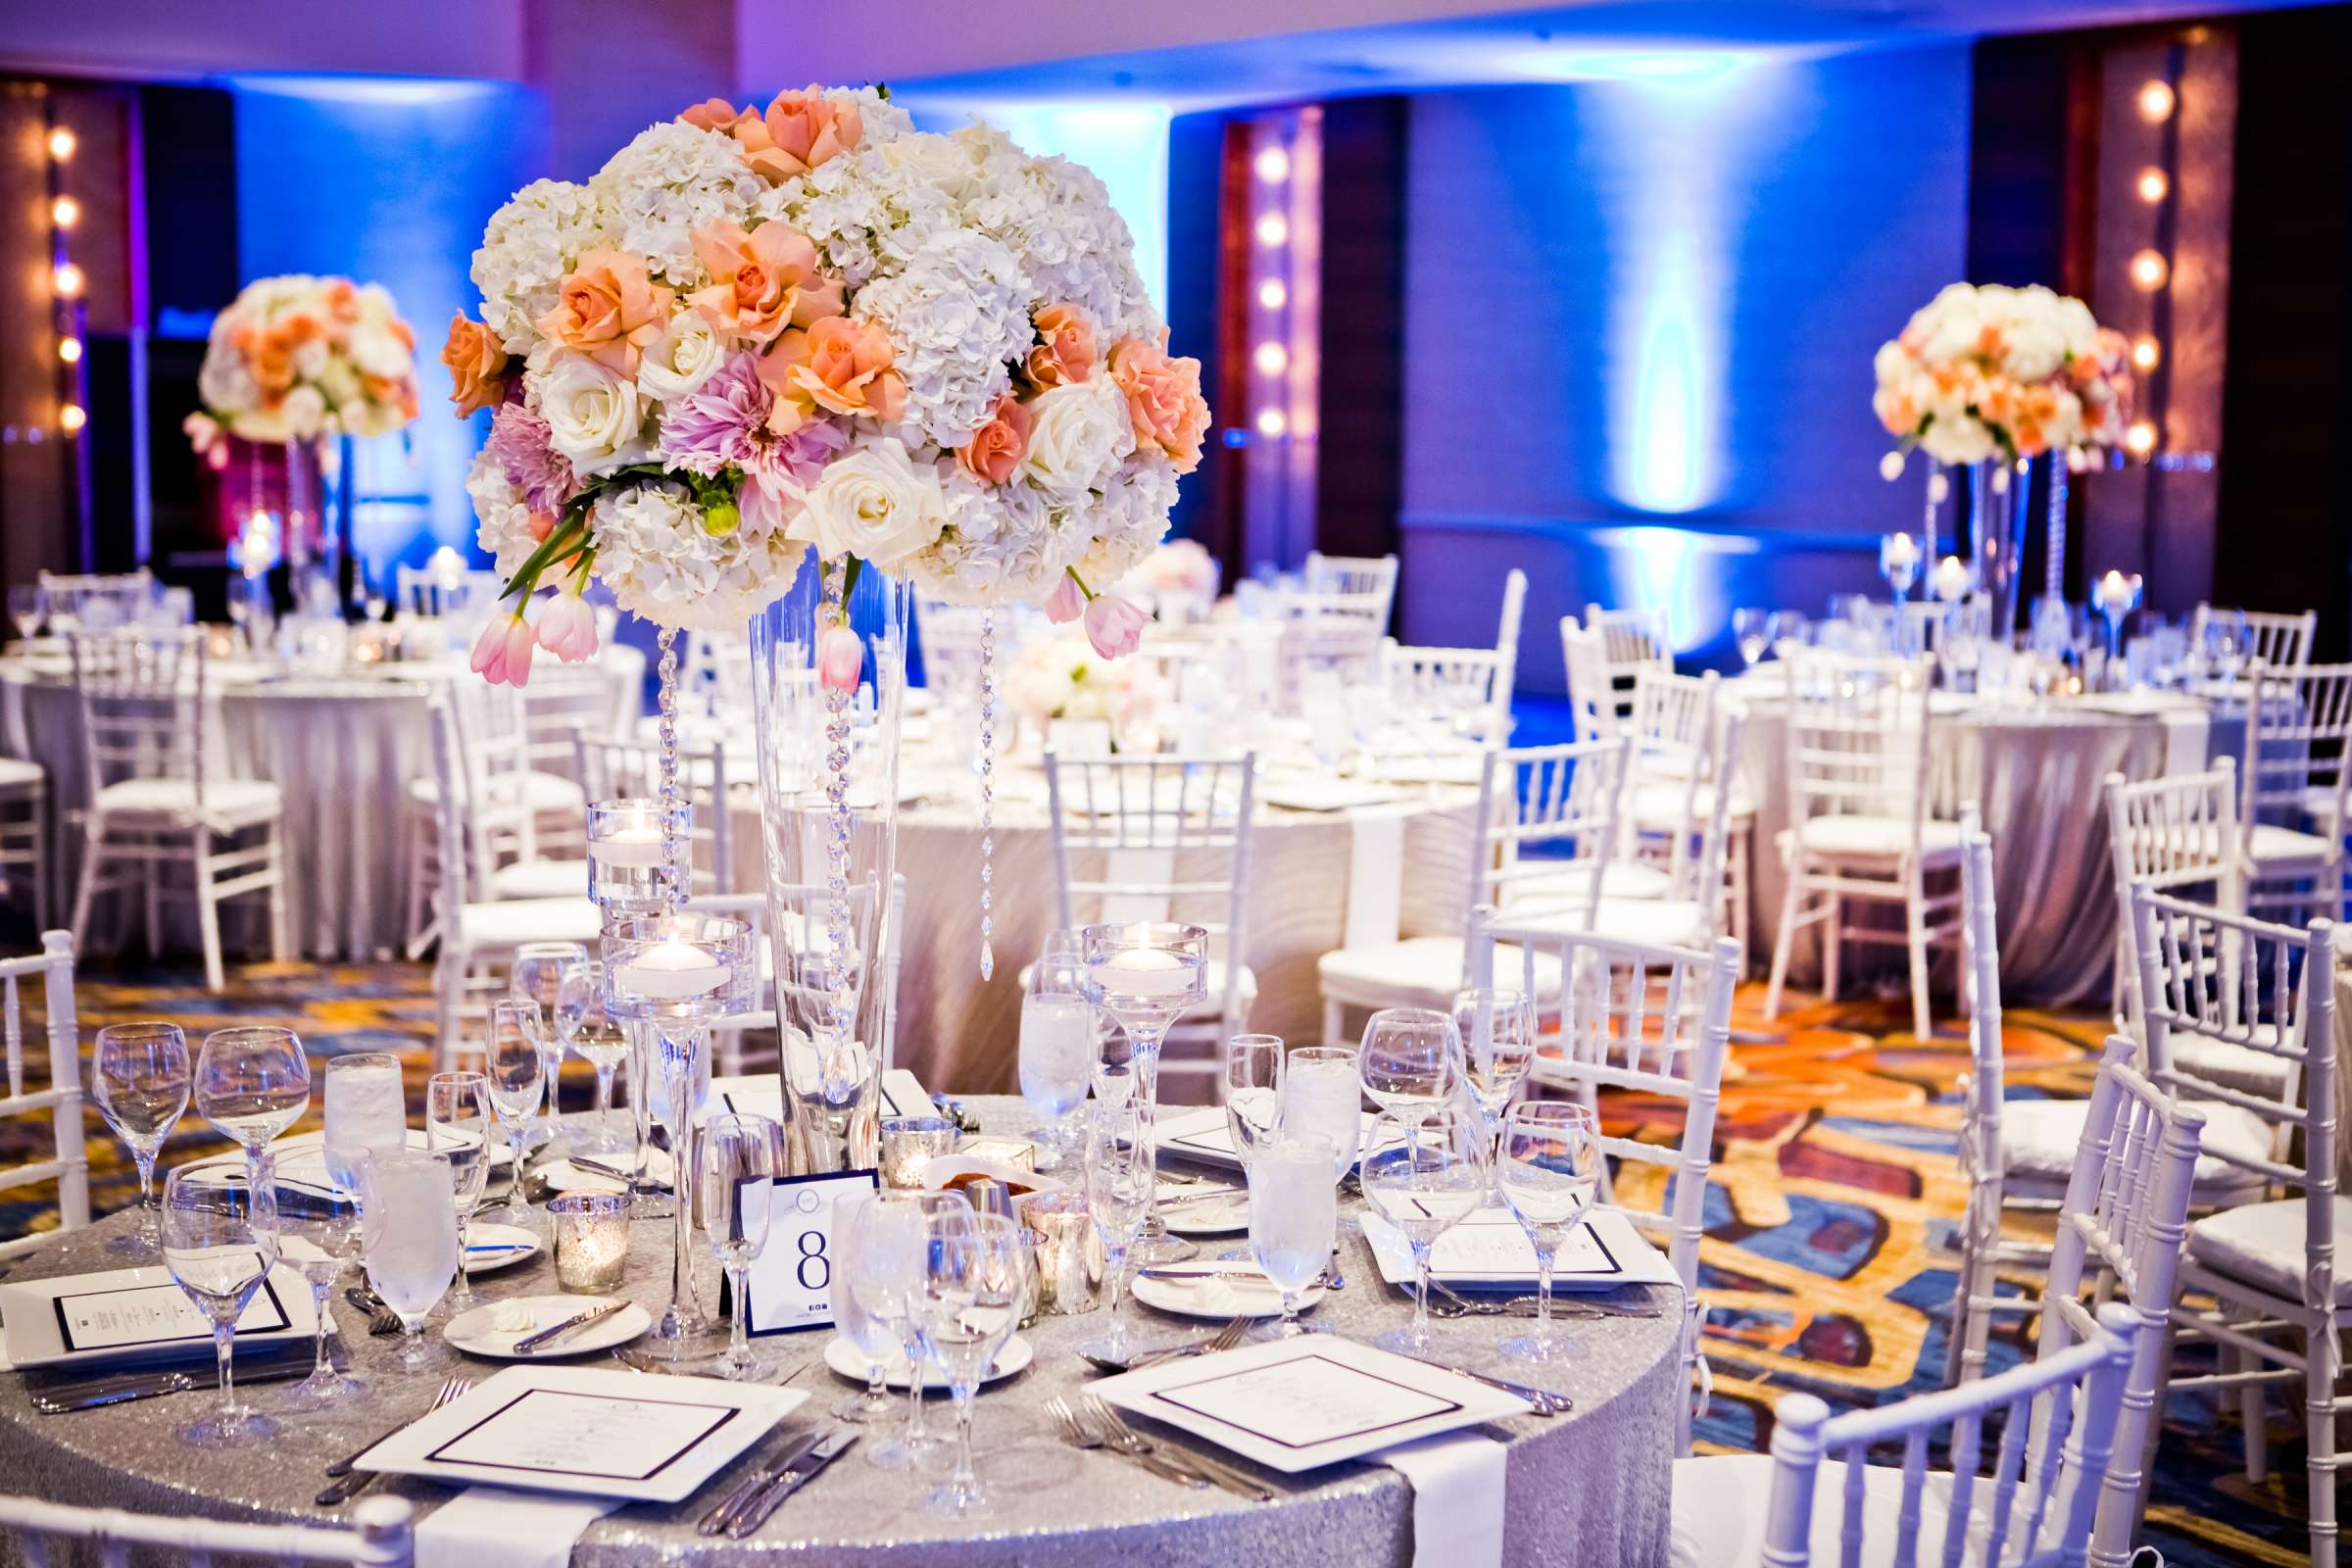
{"points": [[530, 243], [1129, 519], [1002, 542], [504, 522], [673, 180], [959, 315], [661, 564]]}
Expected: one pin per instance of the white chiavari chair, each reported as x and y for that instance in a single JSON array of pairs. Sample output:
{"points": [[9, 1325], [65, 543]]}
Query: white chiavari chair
{"points": [[1164, 838], [1816, 1500], [1981, 1151], [1593, 697], [433, 592], [1643, 1019], [1605, 655], [2174, 834], [613, 768], [69, 1166], [1685, 828], [1543, 842], [2293, 776], [2278, 639], [94, 600], [154, 800], [1506, 630], [2269, 1267], [1860, 826], [24, 831], [380, 1535], [1464, 689], [1367, 576]]}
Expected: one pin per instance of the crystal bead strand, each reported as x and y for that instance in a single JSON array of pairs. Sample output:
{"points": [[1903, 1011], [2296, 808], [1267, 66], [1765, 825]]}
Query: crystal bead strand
{"points": [[988, 792], [674, 842], [2054, 579], [837, 838]]}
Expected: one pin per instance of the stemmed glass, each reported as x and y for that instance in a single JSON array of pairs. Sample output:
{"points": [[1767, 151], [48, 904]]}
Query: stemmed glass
{"points": [[1550, 1169], [456, 1124], [327, 1222], [1899, 564], [1294, 1218], [1253, 1072], [1423, 1175], [1754, 631], [742, 1155], [646, 1198], [139, 1075], [1497, 1030], [977, 1277], [408, 1230], [2114, 596], [220, 1240], [251, 1084], [1057, 1048], [24, 608], [555, 976], [1120, 1181], [869, 1334], [515, 1075], [2225, 642], [890, 1253], [1411, 1059], [600, 1042], [1146, 975]]}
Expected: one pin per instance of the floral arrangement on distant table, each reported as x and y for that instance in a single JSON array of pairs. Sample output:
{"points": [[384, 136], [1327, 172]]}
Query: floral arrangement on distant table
{"points": [[1063, 677], [1986, 372], [297, 358], [1179, 567], [754, 332]]}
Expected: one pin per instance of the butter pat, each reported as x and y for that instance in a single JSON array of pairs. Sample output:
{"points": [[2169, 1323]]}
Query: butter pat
{"points": [[512, 1317]]}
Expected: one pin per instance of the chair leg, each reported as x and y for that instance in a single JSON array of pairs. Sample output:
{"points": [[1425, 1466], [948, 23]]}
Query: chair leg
{"points": [[1791, 898], [208, 910], [2322, 1367], [1335, 1019], [93, 865], [1832, 946], [1915, 937], [2250, 1414], [155, 905], [449, 982], [41, 862], [281, 922]]}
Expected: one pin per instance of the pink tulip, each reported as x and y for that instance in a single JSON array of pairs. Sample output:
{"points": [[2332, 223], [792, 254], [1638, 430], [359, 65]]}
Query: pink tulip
{"points": [[1066, 603], [1114, 625], [839, 659], [502, 653], [567, 628]]}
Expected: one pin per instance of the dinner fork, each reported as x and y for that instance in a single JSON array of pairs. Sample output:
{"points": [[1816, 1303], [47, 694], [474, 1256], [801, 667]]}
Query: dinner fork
{"points": [[349, 1484], [1127, 1440], [381, 1320], [1225, 1339], [1078, 1435]]}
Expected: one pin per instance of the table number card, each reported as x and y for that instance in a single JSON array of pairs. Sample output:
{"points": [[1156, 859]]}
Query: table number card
{"points": [[792, 1280]]}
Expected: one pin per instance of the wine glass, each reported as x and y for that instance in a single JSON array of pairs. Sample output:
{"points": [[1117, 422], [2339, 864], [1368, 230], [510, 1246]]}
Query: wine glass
{"points": [[1899, 564], [890, 1253], [1294, 1218], [977, 1278], [1422, 1175], [327, 1221], [1755, 631], [1121, 1181], [1253, 1067], [2225, 642], [742, 1155], [220, 1240], [555, 976], [869, 1334], [1548, 1170], [1497, 1030], [456, 1124], [251, 1084], [1147, 974], [408, 1233], [601, 1043], [24, 608], [1057, 1048], [648, 1198], [139, 1076], [1411, 1059], [514, 1073]]}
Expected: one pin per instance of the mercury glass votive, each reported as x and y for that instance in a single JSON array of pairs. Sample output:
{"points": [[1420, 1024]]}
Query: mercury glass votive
{"points": [[909, 1145], [626, 853], [592, 1240], [1068, 1249]]}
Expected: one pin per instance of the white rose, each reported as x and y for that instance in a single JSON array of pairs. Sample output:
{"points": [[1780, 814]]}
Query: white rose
{"points": [[686, 355], [305, 412], [375, 350], [591, 416], [1077, 434], [876, 504]]}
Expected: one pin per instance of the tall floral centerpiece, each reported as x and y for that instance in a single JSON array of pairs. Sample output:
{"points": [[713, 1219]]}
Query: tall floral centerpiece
{"points": [[294, 362], [776, 364], [1996, 378]]}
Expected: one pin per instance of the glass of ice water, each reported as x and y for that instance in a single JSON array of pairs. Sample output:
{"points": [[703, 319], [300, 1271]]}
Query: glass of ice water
{"points": [[1294, 1218], [1058, 1050], [409, 1232], [366, 1114]]}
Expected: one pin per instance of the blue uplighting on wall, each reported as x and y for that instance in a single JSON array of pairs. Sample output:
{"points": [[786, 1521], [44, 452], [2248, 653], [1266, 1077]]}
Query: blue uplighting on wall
{"points": [[1663, 447], [1682, 569]]}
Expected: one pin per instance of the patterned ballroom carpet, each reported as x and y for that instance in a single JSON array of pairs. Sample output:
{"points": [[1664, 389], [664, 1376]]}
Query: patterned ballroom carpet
{"points": [[1827, 1263]]}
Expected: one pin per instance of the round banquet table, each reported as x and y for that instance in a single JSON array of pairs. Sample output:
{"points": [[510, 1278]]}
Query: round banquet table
{"points": [[1587, 1489], [2037, 769]]}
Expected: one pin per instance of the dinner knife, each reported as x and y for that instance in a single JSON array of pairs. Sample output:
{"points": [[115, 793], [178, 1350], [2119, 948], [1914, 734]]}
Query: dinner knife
{"points": [[529, 1343], [1544, 1401], [836, 1444], [170, 1383], [717, 1518]]}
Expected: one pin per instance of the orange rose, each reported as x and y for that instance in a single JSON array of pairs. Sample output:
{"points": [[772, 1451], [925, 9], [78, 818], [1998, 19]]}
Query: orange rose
{"points": [[271, 356], [762, 281], [477, 366], [608, 309], [750, 132], [343, 301], [995, 449], [836, 366], [808, 127], [1067, 352], [1163, 398]]}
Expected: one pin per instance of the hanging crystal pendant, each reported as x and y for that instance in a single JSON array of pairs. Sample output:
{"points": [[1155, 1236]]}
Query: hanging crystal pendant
{"points": [[840, 985], [988, 792], [673, 840]]}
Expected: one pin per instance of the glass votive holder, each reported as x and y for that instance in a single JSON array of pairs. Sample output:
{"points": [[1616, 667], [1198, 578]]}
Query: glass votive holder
{"points": [[626, 853], [592, 1240], [909, 1145], [1068, 1251]]}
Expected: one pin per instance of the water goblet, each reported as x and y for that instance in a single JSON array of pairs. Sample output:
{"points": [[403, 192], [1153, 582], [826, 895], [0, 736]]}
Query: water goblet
{"points": [[2114, 596], [1253, 1072], [325, 1223], [741, 1155], [456, 1124], [1423, 1176], [1755, 631], [140, 1077], [220, 1242], [890, 1253], [1497, 1030], [603, 1045], [1549, 1168], [367, 1112], [1294, 1218], [1056, 1048], [977, 1278], [409, 1236], [556, 976], [515, 1076], [869, 1334], [251, 1084], [1146, 975], [1121, 1181], [1411, 1059], [1899, 564]]}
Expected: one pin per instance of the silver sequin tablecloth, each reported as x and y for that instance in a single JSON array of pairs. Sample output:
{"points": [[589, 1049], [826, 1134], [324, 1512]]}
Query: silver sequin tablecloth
{"points": [[1591, 1489]]}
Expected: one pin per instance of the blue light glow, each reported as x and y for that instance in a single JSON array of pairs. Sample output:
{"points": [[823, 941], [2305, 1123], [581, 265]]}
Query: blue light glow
{"points": [[1669, 448], [1678, 568], [1689, 67]]}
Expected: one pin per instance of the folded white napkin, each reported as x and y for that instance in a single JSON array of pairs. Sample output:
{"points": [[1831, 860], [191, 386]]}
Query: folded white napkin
{"points": [[493, 1526], [1375, 878], [1457, 1498]]}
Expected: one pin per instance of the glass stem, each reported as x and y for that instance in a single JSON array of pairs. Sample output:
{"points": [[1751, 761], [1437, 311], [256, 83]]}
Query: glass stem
{"points": [[1115, 1262], [1543, 1257], [877, 1386], [516, 1204], [916, 1432], [321, 1366], [224, 1336], [966, 1478], [739, 1336], [461, 1289], [604, 1101], [1420, 1292]]}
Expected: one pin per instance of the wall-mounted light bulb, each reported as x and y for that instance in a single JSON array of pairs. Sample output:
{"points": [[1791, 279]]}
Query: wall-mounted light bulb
{"points": [[65, 212], [66, 279], [2156, 101], [2140, 439], [2149, 270], [69, 348], [1273, 229], [1273, 165], [2146, 355], [2154, 184], [1271, 423], [71, 418], [62, 144], [1271, 358], [1271, 294]]}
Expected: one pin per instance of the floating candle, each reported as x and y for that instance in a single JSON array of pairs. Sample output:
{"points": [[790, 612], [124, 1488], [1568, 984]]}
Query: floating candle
{"points": [[672, 970], [632, 847]]}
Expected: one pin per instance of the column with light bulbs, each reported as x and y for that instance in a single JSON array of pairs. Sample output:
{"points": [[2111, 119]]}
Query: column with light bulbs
{"points": [[1281, 316]]}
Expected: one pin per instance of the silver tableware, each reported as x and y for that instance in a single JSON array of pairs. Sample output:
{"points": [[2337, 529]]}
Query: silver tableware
{"points": [[1544, 1401], [754, 1513], [381, 1320], [530, 1343], [716, 1520], [1126, 1439], [1225, 1339], [1078, 1435], [348, 1485]]}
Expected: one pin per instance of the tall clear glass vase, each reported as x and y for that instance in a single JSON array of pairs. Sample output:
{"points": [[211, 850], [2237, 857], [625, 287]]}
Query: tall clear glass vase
{"points": [[1997, 493], [829, 813]]}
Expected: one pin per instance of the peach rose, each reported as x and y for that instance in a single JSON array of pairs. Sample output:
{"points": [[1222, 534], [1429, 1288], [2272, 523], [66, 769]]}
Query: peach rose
{"points": [[1163, 398], [343, 301], [608, 309], [760, 282], [836, 366], [1067, 352], [478, 364], [808, 127], [995, 449], [749, 131]]}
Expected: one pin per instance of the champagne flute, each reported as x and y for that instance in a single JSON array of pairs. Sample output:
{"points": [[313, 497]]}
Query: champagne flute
{"points": [[408, 1230], [977, 1274], [1057, 1048], [600, 1042], [869, 1334], [456, 1124], [1253, 1071], [1497, 1030], [555, 976], [1294, 1218], [220, 1240], [1550, 1169], [251, 1084], [741, 1155], [1119, 1184], [1422, 1175], [647, 1199], [514, 1074], [1411, 1059], [140, 1077], [327, 1221], [895, 1235]]}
